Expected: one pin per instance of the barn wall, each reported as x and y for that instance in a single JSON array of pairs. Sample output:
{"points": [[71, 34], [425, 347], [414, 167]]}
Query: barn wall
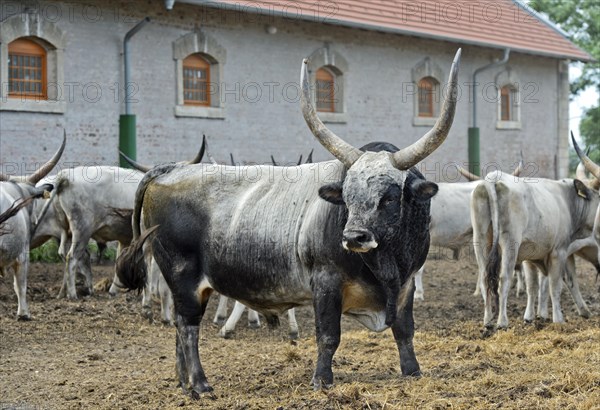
{"points": [[376, 83]]}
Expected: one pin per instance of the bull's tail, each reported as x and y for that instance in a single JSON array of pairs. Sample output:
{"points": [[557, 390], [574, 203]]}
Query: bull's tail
{"points": [[130, 265], [493, 263]]}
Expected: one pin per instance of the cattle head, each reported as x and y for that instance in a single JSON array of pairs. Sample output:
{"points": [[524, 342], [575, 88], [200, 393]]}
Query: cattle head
{"points": [[378, 188]]}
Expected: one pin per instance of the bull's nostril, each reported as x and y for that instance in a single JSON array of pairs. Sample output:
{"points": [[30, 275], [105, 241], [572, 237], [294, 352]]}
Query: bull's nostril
{"points": [[362, 238]]}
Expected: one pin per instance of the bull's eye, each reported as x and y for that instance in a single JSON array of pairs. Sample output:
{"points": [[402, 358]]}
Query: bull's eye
{"points": [[386, 201]]}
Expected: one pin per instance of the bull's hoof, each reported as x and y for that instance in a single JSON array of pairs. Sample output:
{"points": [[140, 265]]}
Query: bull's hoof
{"points": [[293, 335], [419, 296], [204, 390], [528, 321], [219, 320], [254, 324], [24, 318], [324, 380], [226, 334], [147, 314], [586, 314], [166, 322], [487, 332]]}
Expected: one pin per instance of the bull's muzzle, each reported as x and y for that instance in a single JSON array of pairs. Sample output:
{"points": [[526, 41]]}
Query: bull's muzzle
{"points": [[358, 240]]}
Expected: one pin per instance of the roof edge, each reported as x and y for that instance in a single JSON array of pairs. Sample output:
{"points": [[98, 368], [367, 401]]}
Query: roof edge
{"points": [[384, 29], [549, 23]]}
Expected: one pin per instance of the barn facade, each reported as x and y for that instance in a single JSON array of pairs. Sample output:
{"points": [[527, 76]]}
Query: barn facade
{"points": [[231, 70]]}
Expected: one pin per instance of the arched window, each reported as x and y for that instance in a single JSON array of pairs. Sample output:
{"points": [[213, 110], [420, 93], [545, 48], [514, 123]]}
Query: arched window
{"points": [[325, 90], [426, 93], [507, 102], [27, 77], [196, 80]]}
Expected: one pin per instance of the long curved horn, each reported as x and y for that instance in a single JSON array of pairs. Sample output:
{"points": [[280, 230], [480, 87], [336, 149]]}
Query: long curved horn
{"points": [[309, 159], [273, 161], [200, 155], [411, 155], [47, 167], [580, 172], [135, 164], [590, 165], [520, 167], [339, 148], [467, 174]]}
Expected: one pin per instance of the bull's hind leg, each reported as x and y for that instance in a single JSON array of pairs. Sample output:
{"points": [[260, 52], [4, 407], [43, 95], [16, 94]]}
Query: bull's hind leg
{"points": [[294, 332], [221, 314], [404, 330], [555, 273], [419, 284], [20, 268], [327, 302], [571, 282], [227, 330]]}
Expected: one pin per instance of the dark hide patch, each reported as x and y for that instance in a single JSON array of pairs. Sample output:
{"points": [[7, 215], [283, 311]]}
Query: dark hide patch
{"points": [[423, 190], [332, 193], [130, 265], [582, 190]]}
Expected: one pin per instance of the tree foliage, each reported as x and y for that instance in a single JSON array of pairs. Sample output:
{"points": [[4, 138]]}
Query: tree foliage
{"points": [[580, 19]]}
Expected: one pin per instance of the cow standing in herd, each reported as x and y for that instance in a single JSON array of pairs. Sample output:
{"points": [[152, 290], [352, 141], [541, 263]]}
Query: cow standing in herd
{"points": [[16, 230], [533, 222], [347, 235]]}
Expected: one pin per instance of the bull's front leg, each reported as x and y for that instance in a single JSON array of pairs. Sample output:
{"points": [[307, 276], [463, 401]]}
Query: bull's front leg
{"points": [[404, 330], [327, 301]]}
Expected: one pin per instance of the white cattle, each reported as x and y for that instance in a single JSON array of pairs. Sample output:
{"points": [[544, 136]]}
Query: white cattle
{"points": [[16, 229], [526, 220], [450, 226], [253, 319]]}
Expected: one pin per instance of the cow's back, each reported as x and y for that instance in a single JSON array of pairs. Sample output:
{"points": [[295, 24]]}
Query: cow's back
{"points": [[260, 238]]}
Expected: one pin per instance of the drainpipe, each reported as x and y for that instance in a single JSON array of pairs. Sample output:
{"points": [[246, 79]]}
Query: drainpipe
{"points": [[127, 137], [474, 164]]}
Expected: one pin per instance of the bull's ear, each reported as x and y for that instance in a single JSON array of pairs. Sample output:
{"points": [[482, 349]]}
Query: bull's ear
{"points": [[332, 193], [582, 190], [423, 190]]}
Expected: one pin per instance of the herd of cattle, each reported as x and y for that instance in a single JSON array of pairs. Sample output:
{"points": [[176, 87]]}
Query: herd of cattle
{"points": [[349, 235]]}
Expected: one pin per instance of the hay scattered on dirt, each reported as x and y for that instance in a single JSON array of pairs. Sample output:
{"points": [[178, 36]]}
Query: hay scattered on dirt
{"points": [[98, 352]]}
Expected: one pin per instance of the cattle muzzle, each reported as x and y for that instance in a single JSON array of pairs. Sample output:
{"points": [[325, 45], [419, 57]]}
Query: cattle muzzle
{"points": [[358, 240]]}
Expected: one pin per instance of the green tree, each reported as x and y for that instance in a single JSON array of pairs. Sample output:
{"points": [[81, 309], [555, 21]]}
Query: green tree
{"points": [[580, 19]]}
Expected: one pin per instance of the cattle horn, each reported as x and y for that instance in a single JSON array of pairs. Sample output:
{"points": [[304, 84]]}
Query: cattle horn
{"points": [[299, 160], [47, 167], [273, 161], [590, 165], [580, 171], [231, 159], [134, 163], [520, 167], [309, 159], [339, 148], [411, 155], [470, 176], [198, 158]]}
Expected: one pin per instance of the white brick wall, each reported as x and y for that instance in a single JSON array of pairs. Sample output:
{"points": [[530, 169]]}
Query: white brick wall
{"points": [[379, 64]]}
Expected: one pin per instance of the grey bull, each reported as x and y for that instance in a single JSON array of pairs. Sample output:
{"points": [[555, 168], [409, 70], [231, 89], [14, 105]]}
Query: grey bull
{"points": [[518, 220], [16, 230], [346, 235]]}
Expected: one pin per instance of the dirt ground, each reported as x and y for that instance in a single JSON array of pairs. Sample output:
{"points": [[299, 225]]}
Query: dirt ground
{"points": [[99, 353]]}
